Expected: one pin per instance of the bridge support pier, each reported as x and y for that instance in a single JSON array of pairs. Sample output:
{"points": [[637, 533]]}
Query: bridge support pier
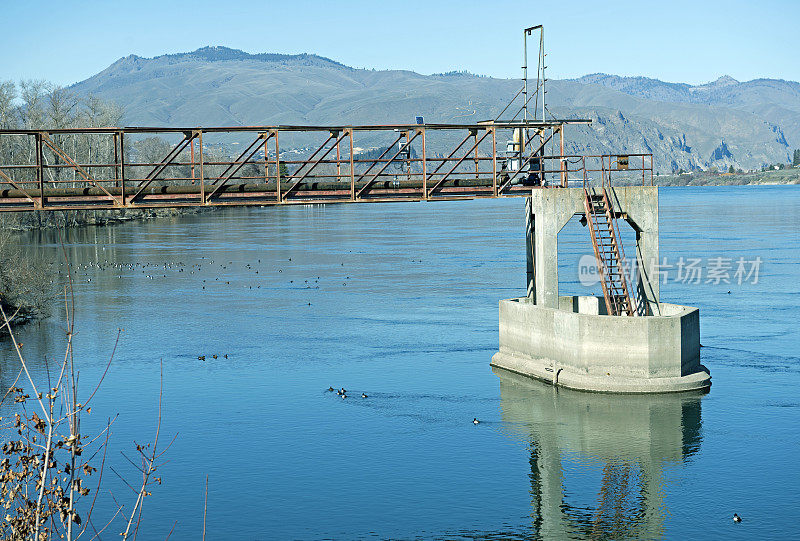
{"points": [[572, 341]]}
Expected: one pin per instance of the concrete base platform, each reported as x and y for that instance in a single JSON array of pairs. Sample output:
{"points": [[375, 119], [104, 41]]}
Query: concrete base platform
{"points": [[542, 370], [578, 346]]}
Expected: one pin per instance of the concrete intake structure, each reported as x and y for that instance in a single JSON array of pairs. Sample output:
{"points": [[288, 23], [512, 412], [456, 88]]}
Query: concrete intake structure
{"points": [[572, 341]]}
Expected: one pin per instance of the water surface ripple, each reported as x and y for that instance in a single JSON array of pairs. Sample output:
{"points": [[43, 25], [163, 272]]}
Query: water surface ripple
{"points": [[400, 302]]}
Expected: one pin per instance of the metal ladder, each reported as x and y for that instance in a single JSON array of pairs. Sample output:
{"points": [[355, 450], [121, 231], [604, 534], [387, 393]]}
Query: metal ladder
{"points": [[609, 252]]}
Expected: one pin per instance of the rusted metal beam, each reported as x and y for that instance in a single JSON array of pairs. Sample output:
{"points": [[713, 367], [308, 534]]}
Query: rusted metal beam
{"points": [[531, 124], [424, 163], [315, 163], [382, 169], [464, 157], [116, 158], [238, 164], [376, 161], [202, 165], [106, 185], [122, 163], [494, 161], [449, 156], [40, 168], [63, 155], [352, 167], [166, 162], [9, 180], [191, 145], [279, 197]]}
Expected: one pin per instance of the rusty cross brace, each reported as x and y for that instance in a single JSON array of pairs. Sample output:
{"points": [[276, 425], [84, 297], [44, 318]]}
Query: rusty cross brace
{"points": [[339, 139], [377, 160], [9, 180], [527, 160], [188, 137], [464, 157], [445, 160], [226, 175], [313, 155], [55, 148], [240, 161], [382, 169]]}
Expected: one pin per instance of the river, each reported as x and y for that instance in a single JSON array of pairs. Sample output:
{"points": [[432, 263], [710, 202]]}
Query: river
{"points": [[399, 301]]}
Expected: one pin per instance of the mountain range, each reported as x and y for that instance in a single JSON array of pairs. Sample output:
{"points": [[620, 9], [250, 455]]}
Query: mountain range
{"points": [[719, 124]]}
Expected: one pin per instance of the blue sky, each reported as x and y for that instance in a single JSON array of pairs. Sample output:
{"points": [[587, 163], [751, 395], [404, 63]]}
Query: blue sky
{"points": [[695, 42]]}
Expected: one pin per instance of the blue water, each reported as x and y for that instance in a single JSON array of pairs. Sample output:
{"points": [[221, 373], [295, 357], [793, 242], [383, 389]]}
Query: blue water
{"points": [[400, 302]]}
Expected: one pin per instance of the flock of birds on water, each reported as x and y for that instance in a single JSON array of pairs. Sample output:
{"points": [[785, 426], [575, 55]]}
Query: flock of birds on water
{"points": [[196, 268], [342, 392], [152, 270]]}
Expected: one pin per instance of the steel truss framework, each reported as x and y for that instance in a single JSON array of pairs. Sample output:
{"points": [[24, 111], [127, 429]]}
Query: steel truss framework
{"points": [[45, 175]]}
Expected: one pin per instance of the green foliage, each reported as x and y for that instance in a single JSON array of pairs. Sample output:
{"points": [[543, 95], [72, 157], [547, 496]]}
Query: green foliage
{"points": [[731, 169], [796, 159]]}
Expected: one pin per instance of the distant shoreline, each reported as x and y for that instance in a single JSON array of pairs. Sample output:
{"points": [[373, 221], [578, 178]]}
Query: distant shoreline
{"points": [[762, 178]]}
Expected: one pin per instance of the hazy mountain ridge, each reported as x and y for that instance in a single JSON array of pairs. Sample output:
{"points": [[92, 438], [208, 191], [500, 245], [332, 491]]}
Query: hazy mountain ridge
{"points": [[719, 124], [725, 91]]}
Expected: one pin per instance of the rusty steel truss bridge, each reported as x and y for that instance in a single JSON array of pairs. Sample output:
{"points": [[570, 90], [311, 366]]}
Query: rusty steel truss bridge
{"points": [[100, 168], [139, 167]]}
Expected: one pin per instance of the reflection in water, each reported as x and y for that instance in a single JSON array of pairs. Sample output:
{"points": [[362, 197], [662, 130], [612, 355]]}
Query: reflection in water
{"points": [[631, 438], [416, 322]]}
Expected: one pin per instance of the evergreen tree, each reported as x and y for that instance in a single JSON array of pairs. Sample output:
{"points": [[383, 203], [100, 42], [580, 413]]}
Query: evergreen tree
{"points": [[731, 169], [796, 160]]}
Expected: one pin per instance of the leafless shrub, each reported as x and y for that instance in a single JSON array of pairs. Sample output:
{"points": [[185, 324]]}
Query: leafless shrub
{"points": [[24, 286], [51, 472]]}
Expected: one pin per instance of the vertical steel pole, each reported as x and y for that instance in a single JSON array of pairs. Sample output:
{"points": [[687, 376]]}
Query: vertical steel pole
{"points": [[122, 164], [408, 155], [544, 79], [338, 160], [542, 153], [116, 160], [278, 169], [192, 157], [39, 167], [202, 178], [477, 172], [524, 133], [564, 181], [424, 166], [494, 161], [525, 75], [266, 162], [352, 169]]}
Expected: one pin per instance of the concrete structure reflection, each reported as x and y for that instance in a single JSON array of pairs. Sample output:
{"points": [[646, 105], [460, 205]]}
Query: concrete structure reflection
{"points": [[633, 440]]}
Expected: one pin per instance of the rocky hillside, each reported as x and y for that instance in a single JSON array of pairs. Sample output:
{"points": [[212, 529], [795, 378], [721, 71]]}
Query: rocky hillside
{"points": [[720, 124]]}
